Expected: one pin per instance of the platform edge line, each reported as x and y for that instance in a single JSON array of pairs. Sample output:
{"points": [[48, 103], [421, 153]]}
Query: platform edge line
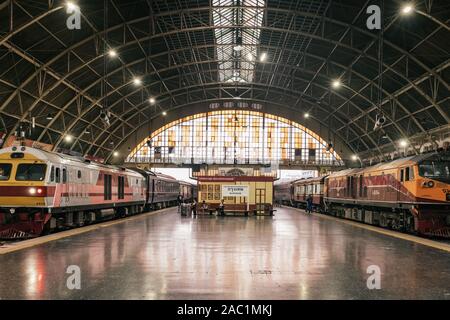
{"points": [[391, 233], [74, 232]]}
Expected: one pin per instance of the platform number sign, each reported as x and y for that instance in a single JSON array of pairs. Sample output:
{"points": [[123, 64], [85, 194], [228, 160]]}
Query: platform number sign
{"points": [[74, 280], [374, 280]]}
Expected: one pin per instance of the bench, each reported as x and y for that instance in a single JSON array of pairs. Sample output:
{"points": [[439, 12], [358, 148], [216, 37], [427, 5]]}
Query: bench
{"points": [[236, 212]]}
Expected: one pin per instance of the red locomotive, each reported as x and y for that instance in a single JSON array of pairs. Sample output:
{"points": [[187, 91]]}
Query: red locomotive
{"points": [[410, 194]]}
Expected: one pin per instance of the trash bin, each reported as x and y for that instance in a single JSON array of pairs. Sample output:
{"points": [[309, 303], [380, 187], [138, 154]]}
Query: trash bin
{"points": [[185, 208]]}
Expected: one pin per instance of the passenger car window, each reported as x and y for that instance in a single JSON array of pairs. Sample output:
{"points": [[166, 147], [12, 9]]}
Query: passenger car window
{"points": [[31, 172], [5, 171], [57, 175]]}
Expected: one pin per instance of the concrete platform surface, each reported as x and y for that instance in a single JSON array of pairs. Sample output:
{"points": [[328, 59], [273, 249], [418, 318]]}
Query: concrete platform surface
{"points": [[165, 256]]}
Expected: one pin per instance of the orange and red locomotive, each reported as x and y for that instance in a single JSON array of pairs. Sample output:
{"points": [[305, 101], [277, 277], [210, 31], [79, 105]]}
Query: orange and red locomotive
{"points": [[410, 194]]}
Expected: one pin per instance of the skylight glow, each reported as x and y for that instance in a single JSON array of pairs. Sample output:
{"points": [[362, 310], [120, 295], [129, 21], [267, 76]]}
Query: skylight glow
{"points": [[238, 27]]}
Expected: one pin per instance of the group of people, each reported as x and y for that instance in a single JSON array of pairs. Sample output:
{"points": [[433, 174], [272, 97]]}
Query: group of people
{"points": [[204, 207]]}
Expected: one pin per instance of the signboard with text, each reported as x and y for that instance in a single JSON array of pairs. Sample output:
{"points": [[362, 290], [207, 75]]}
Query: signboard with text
{"points": [[235, 191]]}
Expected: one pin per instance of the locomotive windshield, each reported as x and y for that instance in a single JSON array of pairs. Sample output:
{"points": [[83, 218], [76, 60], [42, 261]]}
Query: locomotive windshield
{"points": [[5, 171], [31, 172], [435, 169]]}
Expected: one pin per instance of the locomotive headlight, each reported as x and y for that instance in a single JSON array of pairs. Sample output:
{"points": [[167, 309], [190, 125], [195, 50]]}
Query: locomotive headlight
{"points": [[32, 190], [428, 184]]}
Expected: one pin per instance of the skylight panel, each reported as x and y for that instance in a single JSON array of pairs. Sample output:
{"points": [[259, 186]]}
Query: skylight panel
{"points": [[237, 37]]}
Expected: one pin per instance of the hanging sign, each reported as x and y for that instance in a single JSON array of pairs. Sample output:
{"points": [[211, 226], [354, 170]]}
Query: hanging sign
{"points": [[235, 191]]}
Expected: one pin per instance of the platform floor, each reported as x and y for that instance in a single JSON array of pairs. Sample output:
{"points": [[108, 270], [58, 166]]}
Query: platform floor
{"points": [[165, 256]]}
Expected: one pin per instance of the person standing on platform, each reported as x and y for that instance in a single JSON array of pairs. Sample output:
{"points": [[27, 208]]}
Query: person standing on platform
{"points": [[204, 207], [194, 207], [222, 208], [309, 204], [180, 202]]}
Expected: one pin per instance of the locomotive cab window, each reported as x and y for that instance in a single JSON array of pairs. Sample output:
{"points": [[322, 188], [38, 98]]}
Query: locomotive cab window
{"points": [[5, 171], [408, 174], [52, 174], [31, 172], [435, 169]]}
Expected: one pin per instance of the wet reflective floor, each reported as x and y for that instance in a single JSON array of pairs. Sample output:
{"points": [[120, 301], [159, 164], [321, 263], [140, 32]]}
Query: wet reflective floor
{"points": [[289, 256]]}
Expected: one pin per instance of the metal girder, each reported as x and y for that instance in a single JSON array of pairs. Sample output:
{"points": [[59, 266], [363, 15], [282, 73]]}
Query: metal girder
{"points": [[190, 63], [46, 68], [272, 103], [323, 88], [47, 103], [431, 72], [284, 90], [210, 61], [412, 84], [286, 11], [140, 46], [13, 32], [405, 89], [54, 130], [391, 96]]}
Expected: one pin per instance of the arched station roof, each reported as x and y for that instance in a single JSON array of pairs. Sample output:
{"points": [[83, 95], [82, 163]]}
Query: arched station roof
{"points": [[184, 55]]}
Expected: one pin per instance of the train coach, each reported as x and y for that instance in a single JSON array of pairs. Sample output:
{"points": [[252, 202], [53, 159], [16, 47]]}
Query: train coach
{"points": [[410, 194], [302, 189], [282, 192], [296, 192], [42, 191]]}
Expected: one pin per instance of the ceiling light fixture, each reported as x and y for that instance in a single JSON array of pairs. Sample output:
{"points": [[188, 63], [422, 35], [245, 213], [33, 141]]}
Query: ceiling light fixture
{"points": [[403, 143], [263, 57], [112, 53], [336, 83], [407, 9], [71, 6]]}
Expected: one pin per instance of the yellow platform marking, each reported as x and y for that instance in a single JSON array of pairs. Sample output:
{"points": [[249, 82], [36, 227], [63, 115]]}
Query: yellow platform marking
{"points": [[9, 248], [391, 233]]}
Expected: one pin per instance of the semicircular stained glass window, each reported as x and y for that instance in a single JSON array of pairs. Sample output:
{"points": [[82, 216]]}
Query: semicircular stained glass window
{"points": [[234, 137]]}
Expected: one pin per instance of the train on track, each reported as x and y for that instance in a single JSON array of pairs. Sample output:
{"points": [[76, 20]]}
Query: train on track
{"points": [[409, 194], [41, 192]]}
